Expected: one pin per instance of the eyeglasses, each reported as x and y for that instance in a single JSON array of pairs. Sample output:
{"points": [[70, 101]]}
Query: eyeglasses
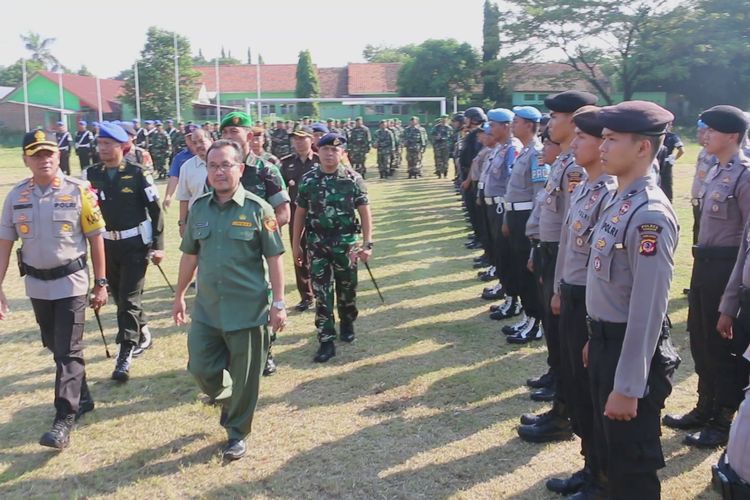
{"points": [[223, 167]]}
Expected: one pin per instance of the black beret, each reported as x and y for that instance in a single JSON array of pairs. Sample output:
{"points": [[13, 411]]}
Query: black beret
{"points": [[636, 117], [725, 119], [569, 101], [332, 139], [587, 120]]}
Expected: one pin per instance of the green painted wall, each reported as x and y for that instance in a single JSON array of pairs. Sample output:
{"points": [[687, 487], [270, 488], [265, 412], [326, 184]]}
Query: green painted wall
{"points": [[537, 98]]}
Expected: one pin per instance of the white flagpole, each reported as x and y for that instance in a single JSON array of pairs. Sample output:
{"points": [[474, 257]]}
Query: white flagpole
{"points": [[218, 91], [99, 97], [137, 94], [60, 90], [176, 78], [257, 82], [25, 94]]}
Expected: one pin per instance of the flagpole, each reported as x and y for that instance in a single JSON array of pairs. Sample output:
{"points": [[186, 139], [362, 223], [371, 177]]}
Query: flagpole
{"points": [[99, 97], [176, 78], [60, 90], [218, 91], [257, 83], [137, 94], [25, 94]]}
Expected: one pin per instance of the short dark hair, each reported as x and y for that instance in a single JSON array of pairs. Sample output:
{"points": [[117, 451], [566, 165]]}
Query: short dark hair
{"points": [[239, 153], [655, 140]]}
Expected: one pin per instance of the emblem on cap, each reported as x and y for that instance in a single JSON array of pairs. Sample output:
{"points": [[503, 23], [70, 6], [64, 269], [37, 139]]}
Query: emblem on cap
{"points": [[39, 136], [235, 120]]}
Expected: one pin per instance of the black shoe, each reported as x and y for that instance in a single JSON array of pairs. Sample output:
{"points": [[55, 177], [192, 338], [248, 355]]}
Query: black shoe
{"points": [[709, 437], [543, 395], [473, 245], [144, 342], [304, 305], [347, 332], [234, 449], [270, 367], [534, 419], [570, 485], [482, 264], [86, 403], [122, 363], [509, 309], [59, 436], [489, 275], [546, 380], [326, 351], [591, 491], [554, 429], [517, 327], [694, 419], [532, 331]]}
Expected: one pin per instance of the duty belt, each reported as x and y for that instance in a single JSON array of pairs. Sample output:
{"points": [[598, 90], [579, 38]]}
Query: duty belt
{"points": [[517, 206], [55, 273], [493, 200], [577, 292], [121, 235], [606, 330], [715, 253]]}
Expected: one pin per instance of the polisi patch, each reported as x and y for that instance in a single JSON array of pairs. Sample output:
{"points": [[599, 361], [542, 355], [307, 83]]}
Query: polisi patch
{"points": [[648, 245]]}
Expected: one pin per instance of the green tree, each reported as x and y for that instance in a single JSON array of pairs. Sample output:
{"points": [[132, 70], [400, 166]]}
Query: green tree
{"points": [[156, 75], [40, 49], [84, 71], [249, 56], [260, 59], [12, 76], [440, 68], [307, 85], [493, 89], [385, 54], [200, 60], [590, 34]]}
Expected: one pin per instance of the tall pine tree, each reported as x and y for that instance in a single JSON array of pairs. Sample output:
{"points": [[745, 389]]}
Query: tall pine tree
{"points": [[307, 85]]}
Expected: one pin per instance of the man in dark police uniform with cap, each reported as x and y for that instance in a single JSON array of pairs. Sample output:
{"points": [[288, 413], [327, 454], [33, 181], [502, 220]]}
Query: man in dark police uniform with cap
{"points": [[130, 204], [54, 215]]}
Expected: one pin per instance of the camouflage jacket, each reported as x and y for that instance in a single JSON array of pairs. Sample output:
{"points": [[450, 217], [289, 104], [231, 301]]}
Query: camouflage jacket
{"points": [[331, 201], [359, 138], [384, 139], [177, 138], [159, 144], [415, 137], [264, 179], [441, 135], [280, 144]]}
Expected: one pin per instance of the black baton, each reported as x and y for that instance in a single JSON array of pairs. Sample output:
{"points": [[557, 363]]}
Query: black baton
{"points": [[165, 277], [373, 281], [101, 330]]}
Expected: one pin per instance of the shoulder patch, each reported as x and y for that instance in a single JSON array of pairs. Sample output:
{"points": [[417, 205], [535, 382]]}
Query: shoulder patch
{"points": [[270, 224], [650, 228], [648, 245]]}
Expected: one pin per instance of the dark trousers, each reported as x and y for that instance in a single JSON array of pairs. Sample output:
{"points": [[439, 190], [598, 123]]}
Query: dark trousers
{"points": [[665, 178], [302, 273], [61, 322], [65, 162], [713, 355], [551, 322], [84, 157], [630, 451], [126, 273], [497, 242], [696, 222], [738, 369], [469, 197], [520, 281], [484, 233], [574, 377]]}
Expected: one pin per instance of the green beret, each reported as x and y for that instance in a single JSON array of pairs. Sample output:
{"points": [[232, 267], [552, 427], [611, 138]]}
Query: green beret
{"points": [[236, 119], [415, 118], [444, 116], [358, 118]]}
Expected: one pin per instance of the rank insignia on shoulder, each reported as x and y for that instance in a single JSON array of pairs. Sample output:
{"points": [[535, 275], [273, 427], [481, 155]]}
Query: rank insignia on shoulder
{"points": [[270, 224], [648, 245], [650, 228]]}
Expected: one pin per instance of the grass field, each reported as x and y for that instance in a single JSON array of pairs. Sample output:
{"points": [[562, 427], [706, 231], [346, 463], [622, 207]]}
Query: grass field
{"points": [[423, 405]]}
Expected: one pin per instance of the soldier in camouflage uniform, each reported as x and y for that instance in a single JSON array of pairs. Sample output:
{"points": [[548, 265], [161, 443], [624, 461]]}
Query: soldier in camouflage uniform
{"points": [[399, 136], [457, 124], [385, 143], [358, 146], [395, 160], [280, 143], [415, 141], [441, 145], [329, 199], [160, 147], [177, 137]]}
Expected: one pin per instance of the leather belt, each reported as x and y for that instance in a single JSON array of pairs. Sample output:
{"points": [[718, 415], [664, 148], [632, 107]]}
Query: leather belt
{"points": [[516, 206], [55, 273]]}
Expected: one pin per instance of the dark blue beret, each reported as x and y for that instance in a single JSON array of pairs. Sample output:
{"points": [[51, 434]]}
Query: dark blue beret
{"points": [[114, 132], [725, 119], [319, 127], [569, 101], [636, 117], [332, 139]]}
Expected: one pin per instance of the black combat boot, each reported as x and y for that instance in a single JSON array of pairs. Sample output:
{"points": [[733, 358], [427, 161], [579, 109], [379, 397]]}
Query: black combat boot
{"points": [[556, 428], [122, 364], [326, 351], [86, 403], [59, 436], [715, 433], [347, 331], [570, 485], [694, 419]]}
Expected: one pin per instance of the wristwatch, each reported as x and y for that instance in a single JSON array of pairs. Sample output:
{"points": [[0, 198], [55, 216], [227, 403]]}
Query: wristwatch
{"points": [[101, 282], [369, 245], [279, 304]]}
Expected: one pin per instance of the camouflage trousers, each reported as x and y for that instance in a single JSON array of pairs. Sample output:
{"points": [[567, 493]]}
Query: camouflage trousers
{"points": [[384, 160], [441, 160], [396, 159], [331, 266], [160, 162], [357, 159], [414, 161]]}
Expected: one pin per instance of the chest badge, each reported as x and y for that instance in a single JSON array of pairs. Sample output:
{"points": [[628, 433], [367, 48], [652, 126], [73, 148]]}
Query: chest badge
{"points": [[600, 243], [624, 208], [597, 264], [23, 228], [579, 241], [715, 208], [577, 226]]}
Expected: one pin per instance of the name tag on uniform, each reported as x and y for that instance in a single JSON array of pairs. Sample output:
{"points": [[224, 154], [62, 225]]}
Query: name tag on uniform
{"points": [[242, 223], [200, 224], [480, 185]]}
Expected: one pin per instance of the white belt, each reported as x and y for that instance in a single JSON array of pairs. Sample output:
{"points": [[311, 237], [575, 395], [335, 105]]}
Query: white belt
{"points": [[523, 205], [121, 235], [494, 200]]}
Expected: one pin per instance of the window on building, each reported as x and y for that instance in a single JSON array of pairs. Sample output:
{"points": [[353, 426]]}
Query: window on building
{"points": [[542, 97], [399, 109], [529, 97]]}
